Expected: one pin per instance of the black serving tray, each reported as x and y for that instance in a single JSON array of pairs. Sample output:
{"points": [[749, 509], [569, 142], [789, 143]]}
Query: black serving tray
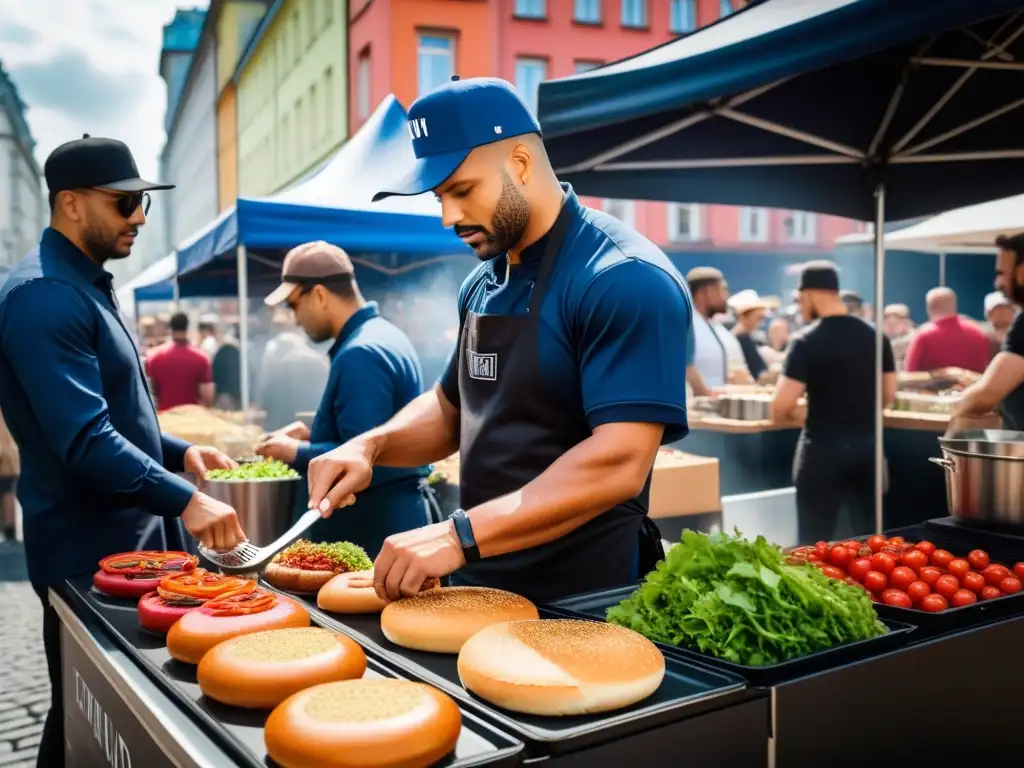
{"points": [[594, 605], [687, 690], [240, 731]]}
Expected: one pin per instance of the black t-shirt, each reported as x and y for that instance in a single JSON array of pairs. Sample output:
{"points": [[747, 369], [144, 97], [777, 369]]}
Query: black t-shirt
{"points": [[835, 359], [1012, 407], [755, 363]]}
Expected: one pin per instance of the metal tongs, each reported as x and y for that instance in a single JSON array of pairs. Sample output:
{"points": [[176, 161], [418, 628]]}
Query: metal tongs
{"points": [[246, 558]]}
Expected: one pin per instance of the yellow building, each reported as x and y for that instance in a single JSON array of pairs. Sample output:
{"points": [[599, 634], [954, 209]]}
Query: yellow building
{"points": [[292, 93]]}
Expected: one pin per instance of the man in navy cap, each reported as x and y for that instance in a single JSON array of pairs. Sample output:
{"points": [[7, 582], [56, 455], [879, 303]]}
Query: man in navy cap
{"points": [[569, 373], [97, 474]]}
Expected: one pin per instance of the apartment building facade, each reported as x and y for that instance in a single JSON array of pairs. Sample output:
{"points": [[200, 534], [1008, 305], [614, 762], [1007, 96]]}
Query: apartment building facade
{"points": [[22, 198]]}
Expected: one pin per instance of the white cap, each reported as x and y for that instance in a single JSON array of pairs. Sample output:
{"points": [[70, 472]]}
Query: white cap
{"points": [[746, 300], [996, 299]]}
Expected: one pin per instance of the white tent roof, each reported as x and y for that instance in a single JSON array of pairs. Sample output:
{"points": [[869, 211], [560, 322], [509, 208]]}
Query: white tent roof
{"points": [[972, 229], [157, 272]]}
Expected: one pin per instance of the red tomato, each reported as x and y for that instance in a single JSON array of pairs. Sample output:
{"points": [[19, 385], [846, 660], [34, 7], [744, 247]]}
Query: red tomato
{"points": [[851, 544], [930, 574], [925, 546], [897, 541], [896, 552], [814, 557], [822, 548], [876, 542], [1010, 585], [990, 593], [883, 562], [934, 603], [995, 574], [840, 556], [897, 598], [947, 585], [941, 558], [902, 577], [914, 559], [978, 559], [973, 581], [833, 572], [918, 591], [959, 567], [860, 567], [1018, 570], [962, 597], [865, 551], [875, 581]]}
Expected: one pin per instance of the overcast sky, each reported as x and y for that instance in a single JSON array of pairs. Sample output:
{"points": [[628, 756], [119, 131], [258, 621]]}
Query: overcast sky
{"points": [[90, 66]]}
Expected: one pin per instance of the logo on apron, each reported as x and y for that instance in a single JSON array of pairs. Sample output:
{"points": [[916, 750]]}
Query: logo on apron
{"points": [[482, 366]]}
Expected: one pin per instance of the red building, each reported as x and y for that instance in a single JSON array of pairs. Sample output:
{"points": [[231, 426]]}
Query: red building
{"points": [[408, 47]]}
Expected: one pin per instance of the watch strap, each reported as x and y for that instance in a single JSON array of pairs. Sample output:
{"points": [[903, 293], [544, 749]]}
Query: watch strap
{"points": [[464, 532]]}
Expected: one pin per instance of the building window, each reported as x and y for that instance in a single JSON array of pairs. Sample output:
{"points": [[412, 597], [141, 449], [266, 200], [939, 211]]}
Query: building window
{"points": [[753, 225], [586, 66], [296, 37], [286, 139], [314, 118], [623, 210], [530, 9], [800, 227], [363, 86], [300, 120], [634, 13], [684, 220], [530, 73], [435, 61], [724, 8], [682, 16], [587, 11], [328, 13], [329, 101]]}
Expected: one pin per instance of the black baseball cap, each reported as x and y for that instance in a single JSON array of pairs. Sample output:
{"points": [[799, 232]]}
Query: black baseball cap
{"points": [[93, 162], [819, 276]]}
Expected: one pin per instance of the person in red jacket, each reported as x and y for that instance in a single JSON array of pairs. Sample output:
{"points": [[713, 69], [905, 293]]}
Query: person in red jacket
{"points": [[948, 339]]}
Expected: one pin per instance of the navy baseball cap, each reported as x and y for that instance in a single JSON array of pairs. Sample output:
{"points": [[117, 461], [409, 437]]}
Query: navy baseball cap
{"points": [[94, 162], [451, 121]]}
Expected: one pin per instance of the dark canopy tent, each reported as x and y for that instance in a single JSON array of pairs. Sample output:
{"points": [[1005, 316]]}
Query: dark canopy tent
{"points": [[871, 109]]}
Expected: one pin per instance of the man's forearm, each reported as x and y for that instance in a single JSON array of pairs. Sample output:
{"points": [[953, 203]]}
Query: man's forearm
{"points": [[696, 382], [425, 431]]}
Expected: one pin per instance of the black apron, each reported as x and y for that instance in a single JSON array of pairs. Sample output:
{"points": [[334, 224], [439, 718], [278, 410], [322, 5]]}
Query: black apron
{"points": [[512, 430]]}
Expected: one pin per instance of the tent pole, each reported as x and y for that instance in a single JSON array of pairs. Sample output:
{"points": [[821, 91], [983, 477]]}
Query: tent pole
{"points": [[177, 295], [879, 348], [942, 270], [243, 325]]}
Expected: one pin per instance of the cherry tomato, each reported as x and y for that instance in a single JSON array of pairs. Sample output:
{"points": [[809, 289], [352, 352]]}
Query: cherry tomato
{"points": [[925, 546], [1018, 570], [814, 557], [947, 585], [876, 542], [875, 581], [963, 597], [833, 572], [840, 556], [995, 574], [897, 541], [914, 559], [822, 548], [990, 593], [941, 558], [1010, 585], [902, 577], [851, 544], [978, 558], [959, 567], [896, 552], [918, 591], [883, 562], [865, 551], [860, 567], [930, 574], [934, 603], [973, 581], [853, 582], [896, 597]]}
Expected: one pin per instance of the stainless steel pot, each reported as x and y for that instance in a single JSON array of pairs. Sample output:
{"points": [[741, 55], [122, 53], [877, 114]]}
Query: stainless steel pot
{"points": [[744, 407], [983, 488], [264, 507], [987, 442]]}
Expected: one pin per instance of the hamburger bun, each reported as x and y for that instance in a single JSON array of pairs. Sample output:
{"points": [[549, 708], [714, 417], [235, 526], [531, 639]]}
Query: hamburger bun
{"points": [[560, 666], [260, 670], [376, 723], [353, 593], [295, 579], [442, 620]]}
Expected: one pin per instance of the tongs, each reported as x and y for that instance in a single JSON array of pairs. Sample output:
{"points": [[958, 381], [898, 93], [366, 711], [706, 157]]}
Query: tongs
{"points": [[246, 558]]}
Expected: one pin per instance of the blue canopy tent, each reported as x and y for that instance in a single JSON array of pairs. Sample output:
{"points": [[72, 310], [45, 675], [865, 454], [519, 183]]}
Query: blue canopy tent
{"points": [[869, 109], [243, 247]]}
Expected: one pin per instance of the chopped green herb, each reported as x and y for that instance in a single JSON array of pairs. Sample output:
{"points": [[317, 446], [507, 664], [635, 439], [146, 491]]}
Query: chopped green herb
{"points": [[269, 469]]}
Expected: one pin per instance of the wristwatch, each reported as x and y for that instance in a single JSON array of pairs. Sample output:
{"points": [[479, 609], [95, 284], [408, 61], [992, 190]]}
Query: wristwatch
{"points": [[464, 531]]}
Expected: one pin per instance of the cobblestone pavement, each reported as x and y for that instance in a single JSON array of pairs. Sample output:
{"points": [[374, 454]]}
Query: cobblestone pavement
{"points": [[24, 684]]}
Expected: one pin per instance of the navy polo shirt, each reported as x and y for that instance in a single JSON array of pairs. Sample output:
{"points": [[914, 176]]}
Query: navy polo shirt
{"points": [[375, 372], [615, 322], [93, 462]]}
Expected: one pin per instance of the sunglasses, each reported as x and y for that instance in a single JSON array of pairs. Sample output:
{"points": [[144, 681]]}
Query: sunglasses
{"points": [[128, 202]]}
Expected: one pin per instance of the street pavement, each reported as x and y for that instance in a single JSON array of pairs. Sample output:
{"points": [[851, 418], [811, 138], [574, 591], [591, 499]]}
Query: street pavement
{"points": [[24, 684]]}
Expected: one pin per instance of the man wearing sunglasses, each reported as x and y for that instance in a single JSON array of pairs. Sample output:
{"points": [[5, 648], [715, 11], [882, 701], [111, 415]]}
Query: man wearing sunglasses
{"points": [[97, 475]]}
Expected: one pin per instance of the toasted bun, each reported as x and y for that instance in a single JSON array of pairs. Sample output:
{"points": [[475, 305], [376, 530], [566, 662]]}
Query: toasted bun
{"points": [[442, 620], [260, 670], [196, 632], [560, 667], [296, 579], [353, 593], [363, 724]]}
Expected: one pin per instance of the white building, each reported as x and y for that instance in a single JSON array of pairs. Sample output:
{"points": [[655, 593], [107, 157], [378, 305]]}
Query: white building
{"points": [[23, 209]]}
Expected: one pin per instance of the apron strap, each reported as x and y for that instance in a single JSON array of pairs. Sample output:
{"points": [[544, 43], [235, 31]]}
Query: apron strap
{"points": [[556, 236], [651, 549]]}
